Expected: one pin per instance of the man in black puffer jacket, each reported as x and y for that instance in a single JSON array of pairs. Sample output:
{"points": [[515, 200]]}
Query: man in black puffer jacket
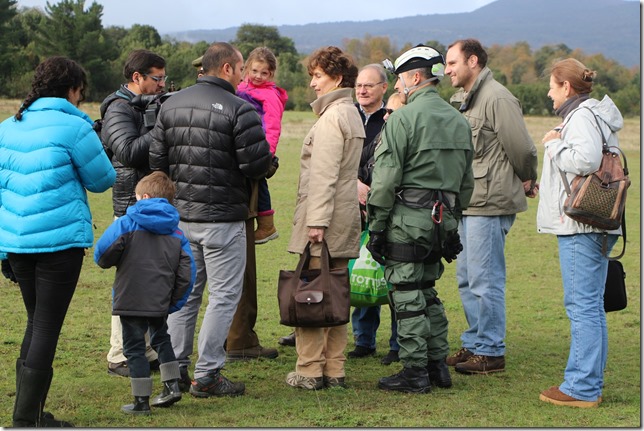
{"points": [[127, 141], [211, 143]]}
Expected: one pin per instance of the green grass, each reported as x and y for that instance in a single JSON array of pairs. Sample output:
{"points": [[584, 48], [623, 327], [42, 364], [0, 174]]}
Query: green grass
{"points": [[537, 339]]}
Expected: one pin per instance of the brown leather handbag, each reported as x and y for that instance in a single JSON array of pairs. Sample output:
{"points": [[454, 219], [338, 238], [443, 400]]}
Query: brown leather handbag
{"points": [[314, 297], [599, 199]]}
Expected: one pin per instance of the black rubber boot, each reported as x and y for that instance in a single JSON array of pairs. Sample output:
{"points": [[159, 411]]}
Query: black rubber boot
{"points": [[141, 406], [32, 387], [439, 374], [141, 389], [170, 395], [413, 380]]}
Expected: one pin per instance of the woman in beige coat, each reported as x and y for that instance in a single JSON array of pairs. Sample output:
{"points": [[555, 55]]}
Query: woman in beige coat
{"points": [[327, 205]]}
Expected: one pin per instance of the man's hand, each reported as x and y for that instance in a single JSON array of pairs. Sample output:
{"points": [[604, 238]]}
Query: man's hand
{"points": [[452, 247], [377, 246], [7, 271], [531, 188]]}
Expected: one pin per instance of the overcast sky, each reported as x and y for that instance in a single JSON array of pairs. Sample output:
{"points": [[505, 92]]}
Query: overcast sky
{"points": [[179, 15]]}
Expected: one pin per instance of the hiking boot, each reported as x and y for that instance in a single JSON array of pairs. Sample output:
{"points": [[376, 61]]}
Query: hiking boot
{"points": [[119, 369], [141, 406], [460, 356], [266, 230], [438, 373], [361, 352], [555, 396], [333, 382], [390, 357], [299, 381], [481, 364], [170, 395], [184, 381], [215, 384], [289, 340], [252, 353], [412, 380]]}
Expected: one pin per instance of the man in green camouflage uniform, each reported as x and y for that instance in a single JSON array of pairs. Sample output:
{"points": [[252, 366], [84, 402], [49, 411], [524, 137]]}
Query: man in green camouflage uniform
{"points": [[422, 179]]}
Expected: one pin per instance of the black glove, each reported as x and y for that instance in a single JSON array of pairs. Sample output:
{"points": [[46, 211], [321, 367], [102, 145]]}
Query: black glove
{"points": [[452, 247], [7, 271], [377, 246], [275, 163]]}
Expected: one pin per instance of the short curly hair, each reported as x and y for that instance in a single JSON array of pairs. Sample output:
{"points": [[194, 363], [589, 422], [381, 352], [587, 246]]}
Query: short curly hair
{"points": [[335, 63]]}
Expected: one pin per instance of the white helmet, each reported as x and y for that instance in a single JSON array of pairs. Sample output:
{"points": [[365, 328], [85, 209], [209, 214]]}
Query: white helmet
{"points": [[421, 56]]}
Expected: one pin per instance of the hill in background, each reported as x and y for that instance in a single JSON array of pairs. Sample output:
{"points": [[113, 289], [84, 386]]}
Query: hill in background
{"points": [[609, 27]]}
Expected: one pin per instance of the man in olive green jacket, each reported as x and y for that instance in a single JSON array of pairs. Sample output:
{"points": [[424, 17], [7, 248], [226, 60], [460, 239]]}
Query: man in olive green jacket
{"points": [[422, 179], [505, 171]]}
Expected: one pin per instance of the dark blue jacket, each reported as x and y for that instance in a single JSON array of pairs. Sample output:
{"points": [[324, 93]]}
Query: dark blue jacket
{"points": [[155, 270]]}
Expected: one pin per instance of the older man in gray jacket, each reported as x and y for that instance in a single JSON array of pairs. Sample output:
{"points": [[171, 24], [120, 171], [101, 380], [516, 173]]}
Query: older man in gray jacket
{"points": [[505, 172]]}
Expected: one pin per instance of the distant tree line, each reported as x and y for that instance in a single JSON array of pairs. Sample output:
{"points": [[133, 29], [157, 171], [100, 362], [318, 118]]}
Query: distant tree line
{"points": [[69, 28]]}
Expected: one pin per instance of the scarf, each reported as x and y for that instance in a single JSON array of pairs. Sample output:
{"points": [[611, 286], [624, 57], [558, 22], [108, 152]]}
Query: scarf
{"points": [[571, 104]]}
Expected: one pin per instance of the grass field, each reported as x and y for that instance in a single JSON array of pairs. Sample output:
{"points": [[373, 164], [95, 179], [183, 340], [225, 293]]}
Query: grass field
{"points": [[537, 339]]}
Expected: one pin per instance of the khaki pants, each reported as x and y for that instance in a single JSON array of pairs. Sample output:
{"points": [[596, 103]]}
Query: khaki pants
{"points": [[115, 355], [320, 351]]}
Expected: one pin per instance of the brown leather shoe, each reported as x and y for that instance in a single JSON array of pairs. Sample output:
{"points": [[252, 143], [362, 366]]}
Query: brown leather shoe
{"points": [[252, 353], [555, 396], [481, 364], [461, 355], [289, 340]]}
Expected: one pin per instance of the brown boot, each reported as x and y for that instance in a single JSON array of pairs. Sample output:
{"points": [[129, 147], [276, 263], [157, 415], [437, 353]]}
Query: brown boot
{"points": [[265, 229]]}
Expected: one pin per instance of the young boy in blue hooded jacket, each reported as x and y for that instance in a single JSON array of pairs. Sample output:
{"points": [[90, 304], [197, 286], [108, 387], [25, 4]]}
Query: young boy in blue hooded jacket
{"points": [[155, 272]]}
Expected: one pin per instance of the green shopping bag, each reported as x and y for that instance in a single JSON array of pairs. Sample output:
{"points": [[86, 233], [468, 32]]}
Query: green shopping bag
{"points": [[368, 284]]}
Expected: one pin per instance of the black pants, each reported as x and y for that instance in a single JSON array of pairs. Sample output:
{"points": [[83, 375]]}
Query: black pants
{"points": [[47, 283], [134, 329]]}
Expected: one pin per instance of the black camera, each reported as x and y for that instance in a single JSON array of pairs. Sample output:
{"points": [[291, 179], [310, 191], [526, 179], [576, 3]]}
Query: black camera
{"points": [[150, 104]]}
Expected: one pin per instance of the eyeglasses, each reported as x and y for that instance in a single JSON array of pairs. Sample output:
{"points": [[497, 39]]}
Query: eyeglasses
{"points": [[156, 78], [367, 86], [389, 110]]}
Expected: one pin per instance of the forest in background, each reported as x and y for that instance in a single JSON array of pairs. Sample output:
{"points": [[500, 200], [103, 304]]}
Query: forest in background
{"points": [[72, 29]]}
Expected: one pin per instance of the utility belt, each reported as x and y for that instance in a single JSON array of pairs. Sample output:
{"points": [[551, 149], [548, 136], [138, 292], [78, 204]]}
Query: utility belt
{"points": [[425, 198], [437, 200]]}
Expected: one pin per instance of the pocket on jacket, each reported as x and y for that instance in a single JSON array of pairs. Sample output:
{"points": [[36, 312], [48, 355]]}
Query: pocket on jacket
{"points": [[480, 194]]}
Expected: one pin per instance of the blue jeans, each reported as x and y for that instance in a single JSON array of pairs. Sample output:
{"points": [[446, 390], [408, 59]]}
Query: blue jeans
{"points": [[583, 271], [480, 271], [365, 322], [263, 196], [134, 345]]}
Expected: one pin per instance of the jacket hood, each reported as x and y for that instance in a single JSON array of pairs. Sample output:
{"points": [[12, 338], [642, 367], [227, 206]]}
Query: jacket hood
{"points": [[155, 215], [58, 104], [122, 93], [607, 111]]}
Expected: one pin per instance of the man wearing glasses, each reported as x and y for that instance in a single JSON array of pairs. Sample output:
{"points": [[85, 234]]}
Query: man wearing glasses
{"points": [[370, 88], [127, 142]]}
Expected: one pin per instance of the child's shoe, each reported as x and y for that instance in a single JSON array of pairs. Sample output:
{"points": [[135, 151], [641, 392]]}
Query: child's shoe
{"points": [[266, 230]]}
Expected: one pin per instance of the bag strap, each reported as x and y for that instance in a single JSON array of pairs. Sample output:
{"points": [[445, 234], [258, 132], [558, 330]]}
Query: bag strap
{"points": [[605, 148]]}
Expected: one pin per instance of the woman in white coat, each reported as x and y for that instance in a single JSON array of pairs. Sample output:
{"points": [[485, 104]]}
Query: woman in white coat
{"points": [[575, 147]]}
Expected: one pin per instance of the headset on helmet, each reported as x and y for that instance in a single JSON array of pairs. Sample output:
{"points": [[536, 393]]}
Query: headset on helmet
{"points": [[420, 56]]}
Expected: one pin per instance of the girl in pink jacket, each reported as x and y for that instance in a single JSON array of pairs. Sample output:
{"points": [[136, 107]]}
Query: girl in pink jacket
{"points": [[261, 91]]}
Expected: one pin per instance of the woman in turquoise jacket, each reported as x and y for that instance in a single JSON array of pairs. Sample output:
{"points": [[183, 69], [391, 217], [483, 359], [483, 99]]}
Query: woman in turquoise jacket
{"points": [[49, 157]]}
